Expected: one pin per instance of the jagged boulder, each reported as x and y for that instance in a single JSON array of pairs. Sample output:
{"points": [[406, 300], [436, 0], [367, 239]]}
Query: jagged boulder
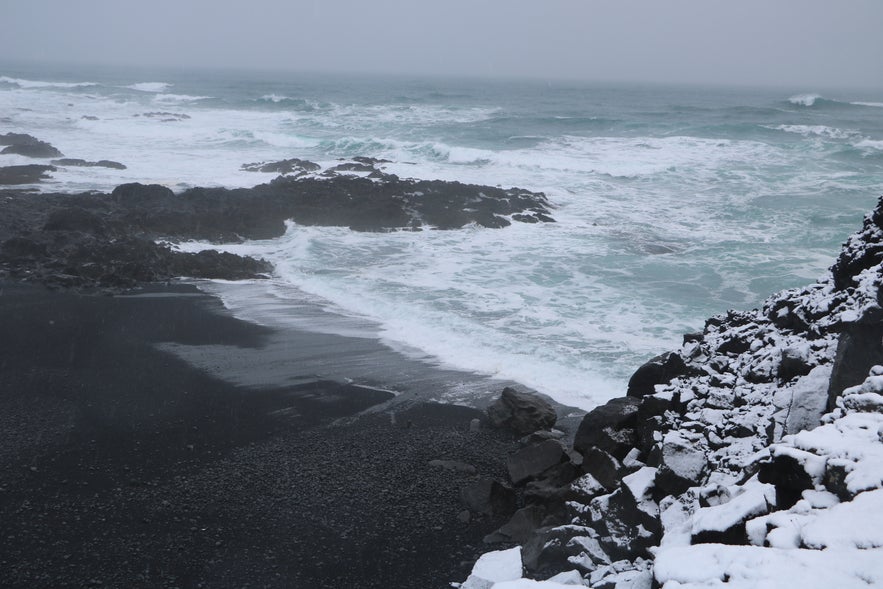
{"points": [[659, 370], [489, 497], [859, 348], [24, 174], [27, 145], [609, 427], [282, 167], [553, 549], [523, 412], [788, 477], [81, 163], [682, 464], [603, 467], [520, 526], [533, 460], [137, 193]]}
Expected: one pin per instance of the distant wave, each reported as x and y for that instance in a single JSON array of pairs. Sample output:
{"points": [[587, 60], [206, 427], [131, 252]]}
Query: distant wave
{"points": [[274, 98], [816, 100], [150, 86], [178, 98], [805, 99], [818, 131], [289, 102], [21, 83]]}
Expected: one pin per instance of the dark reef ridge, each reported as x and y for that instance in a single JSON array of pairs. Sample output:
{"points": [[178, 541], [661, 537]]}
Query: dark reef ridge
{"points": [[115, 240]]}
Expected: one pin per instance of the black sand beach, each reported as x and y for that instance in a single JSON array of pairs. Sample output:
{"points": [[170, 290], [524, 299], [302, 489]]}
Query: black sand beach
{"points": [[122, 465]]}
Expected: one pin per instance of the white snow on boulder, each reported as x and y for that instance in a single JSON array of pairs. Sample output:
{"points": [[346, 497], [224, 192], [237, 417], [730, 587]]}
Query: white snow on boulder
{"points": [[494, 567], [752, 567], [752, 499]]}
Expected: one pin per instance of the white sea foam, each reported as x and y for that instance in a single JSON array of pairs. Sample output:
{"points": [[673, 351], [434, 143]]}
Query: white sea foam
{"points": [[274, 98], [178, 98], [818, 131], [804, 99], [150, 86], [872, 144], [871, 104]]}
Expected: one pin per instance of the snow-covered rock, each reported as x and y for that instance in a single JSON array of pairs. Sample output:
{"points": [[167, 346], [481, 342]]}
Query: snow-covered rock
{"points": [[756, 461]]}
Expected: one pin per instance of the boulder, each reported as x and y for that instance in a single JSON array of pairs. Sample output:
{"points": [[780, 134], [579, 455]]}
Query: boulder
{"points": [[609, 427], [137, 193], [682, 464], [27, 145], [794, 363], [25, 174], [603, 467], [859, 348], [725, 523], [489, 497], [532, 461], [553, 549], [80, 163], [523, 412], [788, 477], [282, 167], [520, 527], [659, 370]]}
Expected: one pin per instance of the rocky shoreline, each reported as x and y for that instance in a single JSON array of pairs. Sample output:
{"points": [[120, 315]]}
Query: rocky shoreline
{"points": [[751, 455], [748, 444]]}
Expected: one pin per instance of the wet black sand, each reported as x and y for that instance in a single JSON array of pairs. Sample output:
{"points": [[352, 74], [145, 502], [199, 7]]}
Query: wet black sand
{"points": [[122, 465]]}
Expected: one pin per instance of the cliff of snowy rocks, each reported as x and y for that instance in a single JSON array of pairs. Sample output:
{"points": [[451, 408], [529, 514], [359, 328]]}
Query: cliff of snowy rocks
{"points": [[750, 455]]}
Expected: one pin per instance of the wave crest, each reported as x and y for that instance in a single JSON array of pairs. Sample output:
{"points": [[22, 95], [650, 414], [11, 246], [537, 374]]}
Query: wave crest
{"points": [[805, 99], [150, 86], [27, 84]]}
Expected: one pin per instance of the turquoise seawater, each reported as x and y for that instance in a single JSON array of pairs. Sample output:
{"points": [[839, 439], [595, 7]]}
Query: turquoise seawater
{"points": [[673, 203]]}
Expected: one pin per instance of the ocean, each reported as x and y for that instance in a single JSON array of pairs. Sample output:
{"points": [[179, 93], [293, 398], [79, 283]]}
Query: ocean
{"points": [[673, 203]]}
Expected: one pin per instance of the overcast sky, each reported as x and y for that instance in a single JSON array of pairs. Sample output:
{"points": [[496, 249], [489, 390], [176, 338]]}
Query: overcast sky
{"points": [[812, 43]]}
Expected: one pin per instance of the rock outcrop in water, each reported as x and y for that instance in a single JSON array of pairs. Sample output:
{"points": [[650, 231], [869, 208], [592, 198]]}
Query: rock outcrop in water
{"points": [[27, 145], [115, 240], [751, 455]]}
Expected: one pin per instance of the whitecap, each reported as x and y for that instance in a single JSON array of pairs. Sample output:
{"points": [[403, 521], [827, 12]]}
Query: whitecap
{"points": [[871, 104], [804, 99], [150, 86], [22, 83], [275, 98], [817, 130], [173, 98]]}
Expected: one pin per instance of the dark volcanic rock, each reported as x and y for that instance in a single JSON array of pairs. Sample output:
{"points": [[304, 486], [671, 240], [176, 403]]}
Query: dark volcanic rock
{"points": [[75, 219], [26, 174], [489, 497], [793, 364], [282, 167], [532, 461], [659, 370], [22, 144], [75, 162], [789, 478], [140, 194], [71, 226], [682, 466], [609, 427], [603, 467], [520, 527], [523, 412], [859, 348]]}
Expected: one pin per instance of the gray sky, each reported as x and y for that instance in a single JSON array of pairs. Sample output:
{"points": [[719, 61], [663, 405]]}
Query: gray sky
{"points": [[813, 43]]}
